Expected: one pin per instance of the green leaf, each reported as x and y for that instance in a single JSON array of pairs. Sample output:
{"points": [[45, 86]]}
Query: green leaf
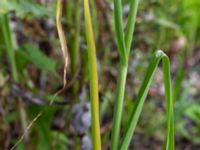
{"points": [[131, 24], [167, 23], [36, 57], [119, 31], [25, 9], [193, 112], [142, 96], [22, 60]]}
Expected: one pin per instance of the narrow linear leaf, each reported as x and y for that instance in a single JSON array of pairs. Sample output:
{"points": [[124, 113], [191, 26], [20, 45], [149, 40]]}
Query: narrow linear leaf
{"points": [[142, 96], [131, 24], [39, 59], [119, 31], [94, 98], [124, 44]]}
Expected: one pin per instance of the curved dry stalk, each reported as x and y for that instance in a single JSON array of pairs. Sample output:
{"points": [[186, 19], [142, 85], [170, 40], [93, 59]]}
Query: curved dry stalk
{"points": [[62, 38]]}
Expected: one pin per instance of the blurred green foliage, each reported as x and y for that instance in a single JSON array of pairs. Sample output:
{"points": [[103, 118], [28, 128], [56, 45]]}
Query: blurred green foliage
{"points": [[25, 8], [159, 25]]}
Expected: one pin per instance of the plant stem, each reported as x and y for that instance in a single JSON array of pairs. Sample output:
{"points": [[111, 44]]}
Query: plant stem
{"points": [[169, 103], [62, 39], [119, 31], [131, 24], [94, 97], [123, 41], [121, 82], [9, 46], [76, 39]]}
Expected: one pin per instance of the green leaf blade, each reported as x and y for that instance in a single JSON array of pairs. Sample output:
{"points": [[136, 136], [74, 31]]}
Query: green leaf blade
{"points": [[142, 96]]}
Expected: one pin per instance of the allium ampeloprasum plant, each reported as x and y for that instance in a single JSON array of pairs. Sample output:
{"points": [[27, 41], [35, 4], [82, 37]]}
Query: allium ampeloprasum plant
{"points": [[124, 40]]}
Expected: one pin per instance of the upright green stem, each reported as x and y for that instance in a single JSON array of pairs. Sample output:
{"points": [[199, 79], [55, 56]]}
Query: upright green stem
{"points": [[76, 38], [94, 97], [169, 103], [131, 24], [94, 19], [9, 45], [121, 82], [119, 31], [74, 47], [69, 11], [124, 46]]}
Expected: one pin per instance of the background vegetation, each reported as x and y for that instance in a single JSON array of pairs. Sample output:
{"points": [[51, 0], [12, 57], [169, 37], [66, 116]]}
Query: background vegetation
{"points": [[31, 71]]}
